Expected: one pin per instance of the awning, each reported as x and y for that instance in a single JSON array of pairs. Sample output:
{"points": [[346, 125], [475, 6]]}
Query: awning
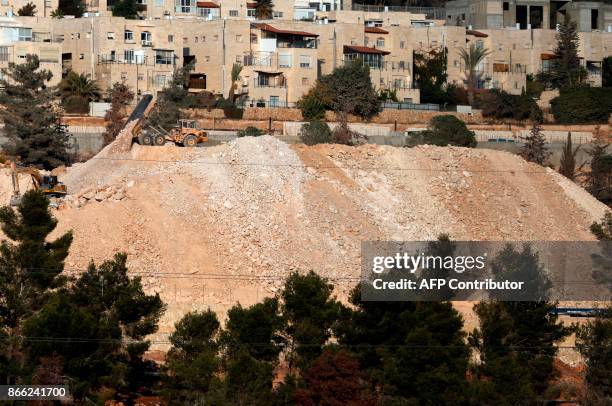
{"points": [[375, 30], [267, 72], [251, 5], [207, 4], [269, 28], [546, 56], [357, 49], [476, 33]]}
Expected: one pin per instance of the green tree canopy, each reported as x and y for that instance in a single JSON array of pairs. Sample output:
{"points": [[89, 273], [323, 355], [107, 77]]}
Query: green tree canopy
{"points": [[566, 70], [71, 8], [448, 130], [31, 121]]}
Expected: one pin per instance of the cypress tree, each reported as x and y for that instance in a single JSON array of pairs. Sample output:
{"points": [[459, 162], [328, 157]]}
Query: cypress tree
{"points": [[566, 70], [567, 167]]}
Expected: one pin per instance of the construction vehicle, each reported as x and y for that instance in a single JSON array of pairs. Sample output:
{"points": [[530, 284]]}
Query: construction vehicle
{"points": [[185, 133], [47, 184]]}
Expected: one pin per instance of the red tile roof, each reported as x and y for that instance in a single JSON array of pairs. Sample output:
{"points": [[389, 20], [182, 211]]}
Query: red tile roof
{"points": [[476, 33], [207, 4], [363, 50], [269, 28], [376, 30]]}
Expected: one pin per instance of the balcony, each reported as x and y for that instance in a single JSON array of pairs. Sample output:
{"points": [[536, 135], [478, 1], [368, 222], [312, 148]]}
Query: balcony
{"points": [[270, 81]]}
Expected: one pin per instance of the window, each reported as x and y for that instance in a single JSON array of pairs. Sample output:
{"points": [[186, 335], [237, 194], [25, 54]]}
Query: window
{"points": [[238, 38], [250, 12], [110, 35], [253, 38], [140, 77], [233, 13], [195, 39], [159, 80], [284, 61], [274, 101], [4, 54], [128, 56], [304, 61], [215, 37], [25, 34], [159, 3], [203, 38], [164, 57], [402, 44], [146, 39], [380, 43], [185, 6], [277, 14], [506, 6], [305, 82], [128, 35], [81, 56], [123, 75], [171, 38], [49, 55], [402, 65], [185, 40]]}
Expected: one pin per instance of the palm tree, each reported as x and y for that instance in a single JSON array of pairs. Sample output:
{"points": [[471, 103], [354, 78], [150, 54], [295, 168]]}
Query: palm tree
{"points": [[79, 85], [472, 57], [236, 70], [263, 10]]}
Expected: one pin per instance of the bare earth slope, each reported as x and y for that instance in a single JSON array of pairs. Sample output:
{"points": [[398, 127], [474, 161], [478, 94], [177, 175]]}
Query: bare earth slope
{"points": [[193, 219]]}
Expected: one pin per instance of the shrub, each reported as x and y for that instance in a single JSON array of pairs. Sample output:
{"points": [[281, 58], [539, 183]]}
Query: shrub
{"points": [[499, 104], [312, 107], [582, 105], [315, 132], [448, 130], [250, 132], [534, 87], [76, 105]]}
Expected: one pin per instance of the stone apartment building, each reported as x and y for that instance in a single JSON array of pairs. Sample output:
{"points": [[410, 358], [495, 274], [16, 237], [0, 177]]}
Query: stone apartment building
{"points": [[282, 57], [525, 14]]}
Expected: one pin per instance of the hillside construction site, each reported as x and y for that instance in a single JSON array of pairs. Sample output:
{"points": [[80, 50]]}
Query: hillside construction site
{"points": [[213, 226]]}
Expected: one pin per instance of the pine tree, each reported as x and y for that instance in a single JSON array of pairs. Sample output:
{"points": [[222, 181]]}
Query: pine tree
{"points": [[111, 314], [32, 123], [535, 150], [594, 338], [516, 340], [567, 166], [566, 70], [599, 178], [30, 266]]}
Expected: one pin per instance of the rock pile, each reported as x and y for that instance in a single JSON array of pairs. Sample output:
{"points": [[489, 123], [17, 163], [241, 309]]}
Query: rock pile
{"points": [[112, 193]]}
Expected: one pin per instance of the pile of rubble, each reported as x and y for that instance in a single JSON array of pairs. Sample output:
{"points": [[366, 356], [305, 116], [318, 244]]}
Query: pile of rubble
{"points": [[210, 227], [112, 193]]}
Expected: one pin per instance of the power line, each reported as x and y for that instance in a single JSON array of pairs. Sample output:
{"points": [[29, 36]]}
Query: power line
{"points": [[247, 277], [267, 344], [305, 166]]}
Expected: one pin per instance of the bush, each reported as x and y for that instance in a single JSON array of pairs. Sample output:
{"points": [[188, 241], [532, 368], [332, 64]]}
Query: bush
{"points": [[534, 87], [448, 130], [315, 132], [312, 107], [498, 104], [76, 105], [582, 105], [250, 132], [233, 111]]}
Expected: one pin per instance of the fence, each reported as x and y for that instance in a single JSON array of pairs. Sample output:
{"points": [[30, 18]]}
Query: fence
{"points": [[410, 106]]}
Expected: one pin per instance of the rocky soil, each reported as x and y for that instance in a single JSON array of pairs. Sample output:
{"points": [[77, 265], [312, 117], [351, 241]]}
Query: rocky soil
{"points": [[209, 227]]}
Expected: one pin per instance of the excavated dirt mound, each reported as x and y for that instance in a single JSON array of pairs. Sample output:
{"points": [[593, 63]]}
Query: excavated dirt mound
{"points": [[208, 227]]}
